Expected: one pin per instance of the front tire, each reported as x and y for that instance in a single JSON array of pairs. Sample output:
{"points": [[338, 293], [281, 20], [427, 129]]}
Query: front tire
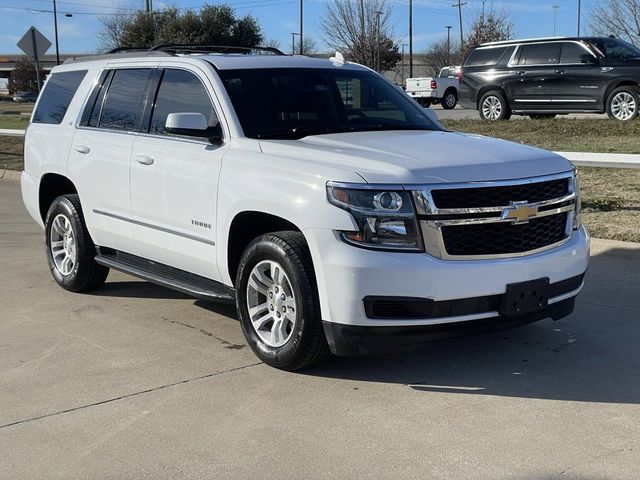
{"points": [[69, 249], [493, 107], [622, 104], [277, 302]]}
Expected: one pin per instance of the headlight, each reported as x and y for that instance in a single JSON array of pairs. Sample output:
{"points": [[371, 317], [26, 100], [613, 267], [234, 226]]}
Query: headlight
{"points": [[577, 218], [386, 218]]}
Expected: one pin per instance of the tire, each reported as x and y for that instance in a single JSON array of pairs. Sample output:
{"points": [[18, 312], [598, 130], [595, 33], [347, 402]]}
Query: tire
{"points": [[496, 99], [623, 104], [542, 116], [425, 102], [65, 226], [450, 100], [299, 342]]}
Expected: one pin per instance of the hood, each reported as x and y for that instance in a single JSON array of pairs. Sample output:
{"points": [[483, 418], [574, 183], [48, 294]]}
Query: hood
{"points": [[419, 156]]}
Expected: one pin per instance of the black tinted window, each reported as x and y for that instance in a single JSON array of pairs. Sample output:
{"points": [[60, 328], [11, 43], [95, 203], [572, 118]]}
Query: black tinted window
{"points": [[180, 92], [540, 54], [616, 49], [574, 53], [123, 105], [485, 56], [57, 96]]}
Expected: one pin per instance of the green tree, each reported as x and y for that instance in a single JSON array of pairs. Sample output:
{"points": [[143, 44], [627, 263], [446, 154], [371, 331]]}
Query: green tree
{"points": [[213, 24], [23, 78]]}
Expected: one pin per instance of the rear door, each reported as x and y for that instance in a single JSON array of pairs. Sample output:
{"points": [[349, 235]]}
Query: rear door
{"points": [[582, 83], [535, 78], [174, 179], [101, 152]]}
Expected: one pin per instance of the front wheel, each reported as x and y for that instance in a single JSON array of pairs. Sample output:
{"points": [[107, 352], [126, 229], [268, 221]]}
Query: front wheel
{"points": [[622, 104], [277, 302], [494, 107], [69, 249]]}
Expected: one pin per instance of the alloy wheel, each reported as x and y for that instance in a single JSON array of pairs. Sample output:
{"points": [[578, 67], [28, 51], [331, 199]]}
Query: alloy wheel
{"points": [[624, 106], [63, 245], [492, 108], [271, 303]]}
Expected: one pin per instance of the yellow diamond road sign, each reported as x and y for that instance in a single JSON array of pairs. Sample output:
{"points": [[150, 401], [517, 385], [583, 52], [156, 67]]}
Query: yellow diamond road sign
{"points": [[34, 43]]}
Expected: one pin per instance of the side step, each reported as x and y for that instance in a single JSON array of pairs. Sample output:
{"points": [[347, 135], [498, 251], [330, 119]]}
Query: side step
{"points": [[166, 276]]}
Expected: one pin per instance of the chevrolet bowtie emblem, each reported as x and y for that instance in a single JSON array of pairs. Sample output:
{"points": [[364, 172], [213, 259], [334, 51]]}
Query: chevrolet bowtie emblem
{"points": [[519, 212]]}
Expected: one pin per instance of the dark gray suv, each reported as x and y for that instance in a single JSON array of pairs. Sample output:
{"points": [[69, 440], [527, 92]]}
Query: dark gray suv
{"points": [[546, 77]]}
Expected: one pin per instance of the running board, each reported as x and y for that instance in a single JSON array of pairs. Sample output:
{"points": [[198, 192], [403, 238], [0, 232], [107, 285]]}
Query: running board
{"points": [[166, 276]]}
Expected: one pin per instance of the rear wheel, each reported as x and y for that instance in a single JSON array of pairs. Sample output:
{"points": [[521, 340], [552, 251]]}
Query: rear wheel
{"points": [[450, 100], [69, 249], [493, 106], [622, 104], [277, 302], [425, 102]]}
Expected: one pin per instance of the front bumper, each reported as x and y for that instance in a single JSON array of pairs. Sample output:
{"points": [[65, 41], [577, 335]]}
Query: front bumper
{"points": [[346, 275], [352, 340]]}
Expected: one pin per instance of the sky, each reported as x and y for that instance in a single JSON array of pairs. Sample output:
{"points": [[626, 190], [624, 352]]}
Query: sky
{"points": [[278, 18]]}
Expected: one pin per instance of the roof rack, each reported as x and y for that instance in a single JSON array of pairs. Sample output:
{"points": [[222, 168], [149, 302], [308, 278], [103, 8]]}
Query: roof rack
{"points": [[507, 42], [172, 49], [175, 48]]}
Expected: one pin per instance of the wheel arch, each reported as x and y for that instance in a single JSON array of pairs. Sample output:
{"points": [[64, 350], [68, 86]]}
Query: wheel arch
{"points": [[53, 185], [245, 227], [626, 82], [490, 88]]}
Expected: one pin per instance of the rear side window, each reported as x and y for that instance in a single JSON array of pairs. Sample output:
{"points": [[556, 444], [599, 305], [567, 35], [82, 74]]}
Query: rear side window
{"points": [[574, 53], [540, 54], [180, 92], [485, 56], [124, 100], [57, 96]]}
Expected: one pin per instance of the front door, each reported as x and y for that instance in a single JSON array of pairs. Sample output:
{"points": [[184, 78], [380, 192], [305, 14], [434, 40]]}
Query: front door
{"points": [[174, 180], [583, 81]]}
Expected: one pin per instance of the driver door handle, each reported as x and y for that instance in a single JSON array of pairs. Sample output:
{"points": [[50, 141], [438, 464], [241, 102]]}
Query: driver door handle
{"points": [[144, 160], [81, 149]]}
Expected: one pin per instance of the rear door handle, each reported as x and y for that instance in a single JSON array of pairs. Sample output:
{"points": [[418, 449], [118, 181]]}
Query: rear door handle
{"points": [[561, 72], [521, 72], [144, 160], [81, 149]]}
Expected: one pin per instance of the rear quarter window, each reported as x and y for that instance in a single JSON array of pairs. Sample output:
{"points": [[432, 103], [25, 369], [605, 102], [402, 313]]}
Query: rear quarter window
{"points": [[481, 57], [57, 95]]}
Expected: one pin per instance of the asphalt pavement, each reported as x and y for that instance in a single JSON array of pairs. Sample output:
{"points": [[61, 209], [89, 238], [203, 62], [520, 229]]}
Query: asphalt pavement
{"points": [[135, 381]]}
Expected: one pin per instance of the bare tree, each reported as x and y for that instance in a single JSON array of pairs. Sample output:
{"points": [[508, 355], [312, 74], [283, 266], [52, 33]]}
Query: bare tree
{"points": [[112, 30], [494, 26], [617, 17], [309, 46], [362, 31], [439, 54]]}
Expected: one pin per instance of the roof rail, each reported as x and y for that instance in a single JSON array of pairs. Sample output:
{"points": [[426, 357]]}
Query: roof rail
{"points": [[122, 52], [507, 42], [175, 48]]}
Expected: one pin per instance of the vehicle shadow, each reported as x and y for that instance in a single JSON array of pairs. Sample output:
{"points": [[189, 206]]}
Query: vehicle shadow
{"points": [[137, 289]]}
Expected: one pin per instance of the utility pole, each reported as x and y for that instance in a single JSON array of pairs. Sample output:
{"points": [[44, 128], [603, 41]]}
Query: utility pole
{"points": [[410, 38], [378, 13], [403, 62], [293, 42], [460, 5], [579, 2], [483, 2], [555, 7], [147, 6], [55, 27], [449, 27], [361, 47], [301, 27]]}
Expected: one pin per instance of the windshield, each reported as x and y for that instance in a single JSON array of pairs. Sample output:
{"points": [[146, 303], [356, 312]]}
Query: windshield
{"points": [[615, 49], [297, 102]]}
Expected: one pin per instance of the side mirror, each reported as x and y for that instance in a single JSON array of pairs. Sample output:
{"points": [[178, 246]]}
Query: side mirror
{"points": [[431, 115], [192, 125]]}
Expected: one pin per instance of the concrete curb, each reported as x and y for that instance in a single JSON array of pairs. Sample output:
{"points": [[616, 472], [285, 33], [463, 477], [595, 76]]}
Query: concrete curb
{"points": [[615, 247], [10, 175], [10, 132]]}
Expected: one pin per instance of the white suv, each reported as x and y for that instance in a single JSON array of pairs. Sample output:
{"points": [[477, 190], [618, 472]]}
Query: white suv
{"points": [[329, 206]]}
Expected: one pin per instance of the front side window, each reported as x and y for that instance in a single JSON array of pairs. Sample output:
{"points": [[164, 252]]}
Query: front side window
{"points": [[57, 96], [180, 92], [540, 54], [124, 100], [294, 103], [615, 49]]}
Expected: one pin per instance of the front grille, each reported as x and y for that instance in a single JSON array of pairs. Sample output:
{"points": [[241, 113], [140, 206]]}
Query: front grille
{"points": [[500, 196], [504, 237]]}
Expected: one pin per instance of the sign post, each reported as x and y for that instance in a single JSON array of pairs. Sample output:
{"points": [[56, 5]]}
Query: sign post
{"points": [[34, 44]]}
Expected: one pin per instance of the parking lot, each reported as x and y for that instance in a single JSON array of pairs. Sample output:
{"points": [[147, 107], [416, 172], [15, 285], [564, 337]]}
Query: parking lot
{"points": [[137, 381]]}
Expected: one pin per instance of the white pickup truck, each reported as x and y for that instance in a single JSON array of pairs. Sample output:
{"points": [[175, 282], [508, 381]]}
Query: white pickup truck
{"points": [[441, 89], [331, 209]]}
